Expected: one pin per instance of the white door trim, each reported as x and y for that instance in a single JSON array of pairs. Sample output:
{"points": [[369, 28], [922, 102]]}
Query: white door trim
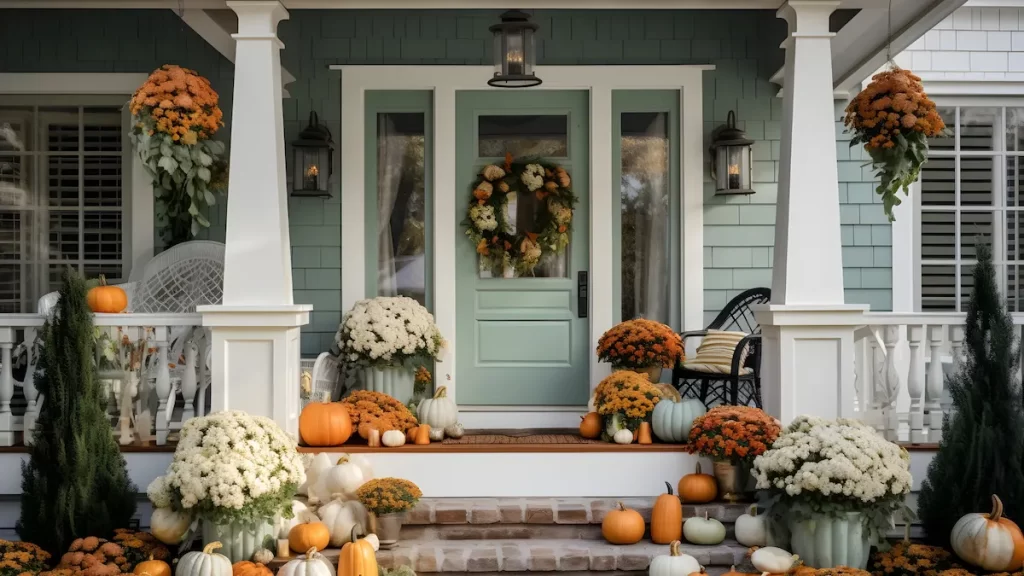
{"points": [[600, 81]]}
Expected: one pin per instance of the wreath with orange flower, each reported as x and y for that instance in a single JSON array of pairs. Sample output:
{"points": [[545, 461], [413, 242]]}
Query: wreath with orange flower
{"points": [[175, 113], [639, 344], [736, 433], [893, 118], [492, 229]]}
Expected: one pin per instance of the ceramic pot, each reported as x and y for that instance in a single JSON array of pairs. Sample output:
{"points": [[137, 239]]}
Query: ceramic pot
{"points": [[732, 480], [824, 541], [653, 373], [388, 527], [397, 382], [240, 539]]}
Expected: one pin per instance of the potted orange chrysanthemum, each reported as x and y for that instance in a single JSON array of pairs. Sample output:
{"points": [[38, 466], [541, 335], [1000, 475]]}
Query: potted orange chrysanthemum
{"points": [[733, 436], [642, 346]]}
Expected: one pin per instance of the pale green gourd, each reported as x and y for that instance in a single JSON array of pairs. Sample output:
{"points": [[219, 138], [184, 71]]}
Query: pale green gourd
{"points": [[705, 531], [205, 563], [671, 421]]}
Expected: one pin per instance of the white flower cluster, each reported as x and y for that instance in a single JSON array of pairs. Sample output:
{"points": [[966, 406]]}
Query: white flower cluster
{"points": [[533, 176], [227, 459], [483, 218], [843, 458], [388, 329], [561, 213]]}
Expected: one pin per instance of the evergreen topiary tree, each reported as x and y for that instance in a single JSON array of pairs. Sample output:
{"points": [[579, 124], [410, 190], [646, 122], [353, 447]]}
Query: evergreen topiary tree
{"points": [[983, 435], [75, 483]]}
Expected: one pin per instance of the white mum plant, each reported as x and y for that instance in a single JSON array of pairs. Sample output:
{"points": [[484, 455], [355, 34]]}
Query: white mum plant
{"points": [[231, 466], [388, 331], [834, 467]]}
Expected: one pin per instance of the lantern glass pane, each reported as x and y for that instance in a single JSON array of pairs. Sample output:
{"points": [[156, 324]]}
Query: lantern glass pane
{"points": [[515, 59], [324, 162], [310, 169], [746, 167], [722, 169], [734, 167], [529, 52], [499, 53]]}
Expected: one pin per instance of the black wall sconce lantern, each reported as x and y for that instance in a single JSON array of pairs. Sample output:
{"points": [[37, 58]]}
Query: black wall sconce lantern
{"points": [[314, 160], [514, 51], [732, 156]]}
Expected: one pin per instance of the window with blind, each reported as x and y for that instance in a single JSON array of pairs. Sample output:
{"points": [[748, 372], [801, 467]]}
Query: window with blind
{"points": [[62, 201]]}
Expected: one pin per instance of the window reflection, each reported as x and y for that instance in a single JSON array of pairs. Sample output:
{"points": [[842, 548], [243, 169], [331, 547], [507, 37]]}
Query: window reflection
{"points": [[401, 205]]}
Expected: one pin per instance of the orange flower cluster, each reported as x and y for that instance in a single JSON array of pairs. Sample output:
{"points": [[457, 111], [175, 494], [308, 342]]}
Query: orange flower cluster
{"points": [[178, 102], [626, 393], [375, 410], [837, 571], [139, 546], [892, 104], [640, 343], [908, 559], [18, 558], [94, 556], [423, 375], [733, 433], [388, 495]]}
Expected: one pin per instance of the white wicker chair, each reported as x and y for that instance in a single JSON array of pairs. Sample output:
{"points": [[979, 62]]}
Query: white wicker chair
{"points": [[323, 378]]}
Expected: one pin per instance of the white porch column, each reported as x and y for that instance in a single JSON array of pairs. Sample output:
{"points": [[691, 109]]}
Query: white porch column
{"points": [[808, 329], [255, 332]]}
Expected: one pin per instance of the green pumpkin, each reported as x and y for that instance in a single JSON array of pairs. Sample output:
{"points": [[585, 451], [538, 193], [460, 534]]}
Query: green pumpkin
{"points": [[672, 421]]}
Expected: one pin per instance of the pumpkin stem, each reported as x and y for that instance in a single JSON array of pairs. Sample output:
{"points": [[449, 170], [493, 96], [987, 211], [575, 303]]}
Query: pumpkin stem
{"points": [[441, 392], [705, 514], [150, 557], [209, 548], [673, 548], [698, 468], [337, 496], [753, 510], [997, 509], [342, 460], [621, 506], [668, 488], [310, 552], [356, 532], [103, 280], [906, 533]]}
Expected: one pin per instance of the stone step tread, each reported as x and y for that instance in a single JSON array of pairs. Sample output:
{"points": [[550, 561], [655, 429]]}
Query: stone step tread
{"points": [[549, 510]]}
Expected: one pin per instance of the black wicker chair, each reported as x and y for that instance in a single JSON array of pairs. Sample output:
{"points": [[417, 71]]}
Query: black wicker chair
{"points": [[738, 387]]}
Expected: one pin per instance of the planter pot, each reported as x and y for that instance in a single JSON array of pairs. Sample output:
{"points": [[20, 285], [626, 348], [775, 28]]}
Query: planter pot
{"points": [[826, 542], [388, 527], [733, 479], [240, 539], [653, 373], [397, 382]]}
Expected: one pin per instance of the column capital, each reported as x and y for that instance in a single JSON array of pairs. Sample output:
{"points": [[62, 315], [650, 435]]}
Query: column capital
{"points": [[808, 17], [258, 18]]}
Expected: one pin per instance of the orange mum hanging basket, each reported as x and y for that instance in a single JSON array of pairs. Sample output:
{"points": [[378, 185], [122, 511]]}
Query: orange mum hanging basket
{"points": [[893, 118]]}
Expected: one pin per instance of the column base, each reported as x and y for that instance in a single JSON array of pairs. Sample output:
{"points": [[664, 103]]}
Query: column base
{"points": [[255, 363], [807, 362]]}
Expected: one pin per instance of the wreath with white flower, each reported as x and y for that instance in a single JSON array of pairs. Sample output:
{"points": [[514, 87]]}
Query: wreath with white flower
{"points": [[498, 242]]}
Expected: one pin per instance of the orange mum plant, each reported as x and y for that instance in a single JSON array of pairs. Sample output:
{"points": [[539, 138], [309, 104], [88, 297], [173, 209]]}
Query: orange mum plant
{"points": [[18, 558], [733, 433], [893, 118], [389, 495], [375, 410], [94, 556], [640, 344], [625, 399], [176, 113]]}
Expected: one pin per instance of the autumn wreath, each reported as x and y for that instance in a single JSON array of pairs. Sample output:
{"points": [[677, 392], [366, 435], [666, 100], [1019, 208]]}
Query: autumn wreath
{"points": [[491, 228], [893, 118]]}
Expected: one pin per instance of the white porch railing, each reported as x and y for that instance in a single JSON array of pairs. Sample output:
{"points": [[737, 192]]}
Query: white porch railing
{"points": [[151, 391]]}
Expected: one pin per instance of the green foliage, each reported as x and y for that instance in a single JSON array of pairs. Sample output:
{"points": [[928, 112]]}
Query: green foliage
{"points": [[75, 483], [983, 436], [403, 570], [898, 167]]}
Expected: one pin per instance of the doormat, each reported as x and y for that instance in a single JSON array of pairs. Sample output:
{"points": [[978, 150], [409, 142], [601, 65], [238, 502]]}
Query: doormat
{"points": [[525, 436]]}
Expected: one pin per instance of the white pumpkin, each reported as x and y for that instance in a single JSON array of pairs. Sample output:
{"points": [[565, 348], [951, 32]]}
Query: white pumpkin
{"points": [[205, 563], [439, 411], [341, 517], [312, 563], [392, 438], [751, 529], [772, 559], [362, 461], [345, 478], [674, 564], [705, 531], [316, 478], [301, 514], [989, 541], [303, 488], [623, 436], [168, 525]]}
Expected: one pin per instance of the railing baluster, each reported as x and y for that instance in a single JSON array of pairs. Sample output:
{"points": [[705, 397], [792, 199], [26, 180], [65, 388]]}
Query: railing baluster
{"points": [[957, 345], [163, 385], [934, 388], [891, 383], [915, 383], [6, 387], [29, 387], [188, 381], [877, 376], [204, 371]]}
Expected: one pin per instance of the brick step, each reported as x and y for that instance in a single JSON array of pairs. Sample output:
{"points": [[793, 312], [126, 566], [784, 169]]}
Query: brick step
{"points": [[539, 511]]}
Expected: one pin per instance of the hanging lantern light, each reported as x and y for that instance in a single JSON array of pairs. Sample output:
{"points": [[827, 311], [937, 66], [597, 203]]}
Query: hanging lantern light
{"points": [[732, 156], [314, 156], [514, 53]]}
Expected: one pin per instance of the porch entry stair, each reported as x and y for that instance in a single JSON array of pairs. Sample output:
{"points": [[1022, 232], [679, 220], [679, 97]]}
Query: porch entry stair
{"points": [[531, 535]]}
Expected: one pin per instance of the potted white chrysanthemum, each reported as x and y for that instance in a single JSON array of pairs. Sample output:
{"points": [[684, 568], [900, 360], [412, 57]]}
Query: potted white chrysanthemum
{"points": [[835, 486], [237, 473], [384, 336]]}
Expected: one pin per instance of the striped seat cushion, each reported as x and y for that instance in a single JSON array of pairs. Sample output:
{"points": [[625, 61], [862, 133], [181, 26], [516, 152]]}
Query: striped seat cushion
{"points": [[715, 353]]}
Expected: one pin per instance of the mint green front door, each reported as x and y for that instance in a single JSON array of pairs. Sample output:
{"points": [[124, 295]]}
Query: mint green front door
{"points": [[523, 341]]}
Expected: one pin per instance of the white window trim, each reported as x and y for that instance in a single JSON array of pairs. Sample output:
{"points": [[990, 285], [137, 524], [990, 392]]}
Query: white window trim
{"points": [[600, 81], [139, 237]]}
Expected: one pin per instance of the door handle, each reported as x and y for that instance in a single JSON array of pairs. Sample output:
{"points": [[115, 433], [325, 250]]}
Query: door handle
{"points": [[582, 294]]}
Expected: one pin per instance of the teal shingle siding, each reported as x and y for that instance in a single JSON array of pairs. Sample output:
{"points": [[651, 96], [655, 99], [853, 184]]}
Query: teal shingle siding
{"points": [[743, 45]]}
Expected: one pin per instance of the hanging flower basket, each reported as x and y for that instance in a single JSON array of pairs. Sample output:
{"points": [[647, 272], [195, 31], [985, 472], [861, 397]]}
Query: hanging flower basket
{"points": [[893, 118]]}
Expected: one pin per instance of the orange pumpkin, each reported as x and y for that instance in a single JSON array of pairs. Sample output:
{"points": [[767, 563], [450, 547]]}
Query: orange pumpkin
{"points": [[107, 299], [702, 572], [308, 535], [422, 435], [325, 424], [644, 434], [590, 425], [666, 518], [153, 567], [623, 526], [357, 557], [246, 568], [697, 488]]}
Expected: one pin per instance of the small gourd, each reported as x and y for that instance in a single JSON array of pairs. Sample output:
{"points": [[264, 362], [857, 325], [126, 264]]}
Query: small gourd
{"points": [[373, 438], [666, 518], [374, 541], [590, 425], [247, 568], [342, 517], [393, 438], [205, 563], [623, 436], [675, 563], [644, 433], [697, 488], [623, 525], [309, 535], [436, 434], [357, 558], [312, 563], [422, 435], [439, 411], [990, 541], [773, 560], [153, 567], [705, 531], [751, 529], [263, 556], [169, 526], [455, 431], [410, 435]]}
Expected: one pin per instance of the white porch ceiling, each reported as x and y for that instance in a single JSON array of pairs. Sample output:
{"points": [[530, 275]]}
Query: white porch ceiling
{"points": [[449, 4]]}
